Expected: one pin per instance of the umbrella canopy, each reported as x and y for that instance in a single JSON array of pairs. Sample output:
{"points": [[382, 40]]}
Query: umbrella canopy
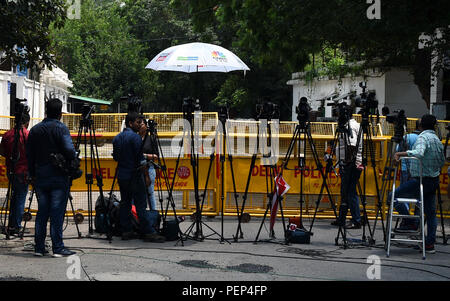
{"points": [[197, 57]]}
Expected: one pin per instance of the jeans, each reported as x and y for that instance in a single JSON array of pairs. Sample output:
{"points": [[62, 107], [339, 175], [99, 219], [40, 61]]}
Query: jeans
{"points": [[411, 189], [349, 196], [52, 199], [134, 190], [151, 188], [19, 193]]}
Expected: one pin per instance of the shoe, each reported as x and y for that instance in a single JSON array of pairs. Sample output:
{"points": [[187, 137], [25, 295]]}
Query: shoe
{"points": [[40, 253], [63, 253], [128, 235], [428, 248], [406, 228], [154, 237], [352, 225]]}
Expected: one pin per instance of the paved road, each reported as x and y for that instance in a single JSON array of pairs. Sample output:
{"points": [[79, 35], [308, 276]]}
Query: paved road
{"points": [[211, 260]]}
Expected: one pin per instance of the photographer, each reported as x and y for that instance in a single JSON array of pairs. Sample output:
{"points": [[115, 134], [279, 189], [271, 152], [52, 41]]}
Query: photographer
{"points": [[151, 153], [51, 184], [127, 151], [350, 169], [428, 148], [20, 180]]}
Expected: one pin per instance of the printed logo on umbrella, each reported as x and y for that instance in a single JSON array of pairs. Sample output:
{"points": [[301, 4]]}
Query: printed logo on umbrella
{"points": [[162, 57], [219, 56], [187, 58]]}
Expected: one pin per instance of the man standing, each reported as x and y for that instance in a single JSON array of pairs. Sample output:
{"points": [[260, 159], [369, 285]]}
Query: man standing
{"points": [[429, 149], [51, 184], [18, 176], [350, 168], [127, 151]]}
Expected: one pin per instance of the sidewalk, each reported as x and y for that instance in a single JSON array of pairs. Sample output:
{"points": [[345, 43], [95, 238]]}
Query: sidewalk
{"points": [[211, 260]]}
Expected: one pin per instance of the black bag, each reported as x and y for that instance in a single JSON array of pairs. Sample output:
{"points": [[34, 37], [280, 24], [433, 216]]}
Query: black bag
{"points": [[107, 215], [170, 230], [298, 236], [69, 168]]}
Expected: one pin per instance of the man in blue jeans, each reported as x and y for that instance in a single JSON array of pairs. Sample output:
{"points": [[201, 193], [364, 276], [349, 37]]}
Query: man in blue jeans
{"points": [[429, 149], [51, 184], [127, 151]]}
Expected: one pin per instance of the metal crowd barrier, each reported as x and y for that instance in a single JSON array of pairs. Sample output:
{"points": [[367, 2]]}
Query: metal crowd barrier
{"points": [[107, 126]]}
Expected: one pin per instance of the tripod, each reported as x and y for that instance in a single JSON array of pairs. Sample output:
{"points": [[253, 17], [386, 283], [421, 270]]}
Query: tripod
{"points": [[275, 196], [87, 127], [152, 134], [265, 111], [189, 107]]}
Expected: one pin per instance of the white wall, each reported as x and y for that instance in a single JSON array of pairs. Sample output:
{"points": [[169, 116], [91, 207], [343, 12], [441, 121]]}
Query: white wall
{"points": [[402, 93], [395, 88]]}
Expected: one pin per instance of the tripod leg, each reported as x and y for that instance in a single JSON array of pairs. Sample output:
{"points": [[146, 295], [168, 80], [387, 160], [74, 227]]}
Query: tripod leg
{"points": [[73, 214], [28, 211], [269, 205], [442, 215]]}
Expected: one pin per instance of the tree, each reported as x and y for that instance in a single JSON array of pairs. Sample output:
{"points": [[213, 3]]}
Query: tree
{"points": [[287, 32], [24, 27]]}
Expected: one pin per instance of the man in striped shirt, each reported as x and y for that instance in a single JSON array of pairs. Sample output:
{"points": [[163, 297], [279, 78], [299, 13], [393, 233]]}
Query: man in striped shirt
{"points": [[430, 151]]}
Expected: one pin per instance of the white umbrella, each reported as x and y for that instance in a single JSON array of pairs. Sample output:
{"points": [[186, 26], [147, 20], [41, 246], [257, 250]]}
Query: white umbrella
{"points": [[197, 57]]}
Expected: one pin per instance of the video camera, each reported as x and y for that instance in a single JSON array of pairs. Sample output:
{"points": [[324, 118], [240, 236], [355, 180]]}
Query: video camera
{"points": [[398, 118], [19, 109], [366, 100], [190, 105], [344, 112], [151, 126], [303, 110], [86, 111], [267, 110], [223, 113], [134, 103]]}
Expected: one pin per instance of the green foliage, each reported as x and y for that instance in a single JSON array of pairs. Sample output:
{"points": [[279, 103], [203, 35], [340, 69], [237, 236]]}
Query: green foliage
{"points": [[25, 24]]}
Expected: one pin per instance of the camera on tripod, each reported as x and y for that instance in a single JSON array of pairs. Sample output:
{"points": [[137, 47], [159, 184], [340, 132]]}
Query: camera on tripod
{"points": [[398, 118], [190, 105], [303, 110], [86, 111], [151, 126], [20, 108], [134, 103], [366, 100], [223, 113], [267, 110]]}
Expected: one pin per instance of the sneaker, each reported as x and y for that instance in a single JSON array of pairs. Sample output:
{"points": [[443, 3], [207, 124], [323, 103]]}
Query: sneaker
{"points": [[352, 225], [63, 253], [406, 228], [430, 249], [40, 253], [154, 237]]}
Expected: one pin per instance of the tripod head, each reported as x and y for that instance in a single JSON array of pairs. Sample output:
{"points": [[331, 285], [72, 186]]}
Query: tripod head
{"points": [[151, 126], [19, 110], [267, 110], [86, 111], [134, 103], [223, 113], [189, 107], [302, 111], [398, 118]]}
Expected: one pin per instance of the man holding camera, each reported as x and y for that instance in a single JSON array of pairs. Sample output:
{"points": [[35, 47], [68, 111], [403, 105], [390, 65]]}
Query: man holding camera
{"points": [[428, 148], [51, 184], [18, 176], [351, 168], [127, 151]]}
